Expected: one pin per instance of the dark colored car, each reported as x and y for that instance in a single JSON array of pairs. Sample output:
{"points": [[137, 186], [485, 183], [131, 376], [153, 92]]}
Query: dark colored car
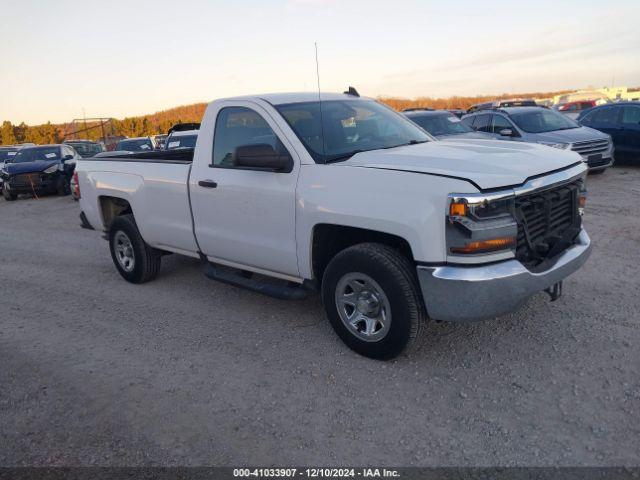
{"points": [[547, 127], [181, 139], [86, 148], [621, 121], [41, 169], [502, 103], [443, 124], [458, 112], [140, 144]]}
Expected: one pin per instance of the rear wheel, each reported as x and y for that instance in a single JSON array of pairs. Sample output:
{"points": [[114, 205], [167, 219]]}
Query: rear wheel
{"points": [[135, 260], [371, 296]]}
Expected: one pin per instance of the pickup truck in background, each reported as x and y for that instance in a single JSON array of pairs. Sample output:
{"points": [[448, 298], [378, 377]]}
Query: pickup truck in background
{"points": [[285, 194]]}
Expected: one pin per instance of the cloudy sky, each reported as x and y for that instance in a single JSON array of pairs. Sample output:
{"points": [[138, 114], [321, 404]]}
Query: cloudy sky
{"points": [[123, 58]]}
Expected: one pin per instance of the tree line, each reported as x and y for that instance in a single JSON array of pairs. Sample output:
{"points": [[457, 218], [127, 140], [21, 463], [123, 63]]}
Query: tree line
{"points": [[160, 122]]}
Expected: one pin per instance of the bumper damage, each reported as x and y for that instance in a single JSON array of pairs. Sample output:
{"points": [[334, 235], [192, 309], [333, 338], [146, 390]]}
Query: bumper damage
{"points": [[467, 293]]}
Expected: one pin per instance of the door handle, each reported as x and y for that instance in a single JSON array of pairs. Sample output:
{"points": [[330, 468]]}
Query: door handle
{"points": [[207, 183]]}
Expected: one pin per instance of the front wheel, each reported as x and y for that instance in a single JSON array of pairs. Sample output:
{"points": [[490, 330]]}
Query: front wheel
{"points": [[63, 187], [8, 196], [135, 260], [373, 301]]}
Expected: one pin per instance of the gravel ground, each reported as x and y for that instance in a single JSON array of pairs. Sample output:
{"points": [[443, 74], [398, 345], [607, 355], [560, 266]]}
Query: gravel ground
{"points": [[186, 371]]}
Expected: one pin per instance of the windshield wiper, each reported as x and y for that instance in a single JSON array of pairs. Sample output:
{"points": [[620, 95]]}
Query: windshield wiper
{"points": [[343, 156]]}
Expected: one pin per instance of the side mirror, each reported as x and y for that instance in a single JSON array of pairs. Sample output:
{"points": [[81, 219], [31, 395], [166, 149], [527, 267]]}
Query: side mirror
{"points": [[262, 156], [506, 132]]}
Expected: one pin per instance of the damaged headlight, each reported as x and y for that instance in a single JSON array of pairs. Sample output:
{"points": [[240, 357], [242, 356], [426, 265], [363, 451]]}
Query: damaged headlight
{"points": [[481, 224]]}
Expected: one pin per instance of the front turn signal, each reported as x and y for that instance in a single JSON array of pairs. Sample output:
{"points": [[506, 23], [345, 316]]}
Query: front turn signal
{"points": [[486, 246], [458, 209]]}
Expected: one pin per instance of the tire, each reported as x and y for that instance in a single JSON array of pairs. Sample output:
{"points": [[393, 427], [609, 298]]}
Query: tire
{"points": [[597, 172], [145, 259], [9, 197], [63, 186], [395, 277]]}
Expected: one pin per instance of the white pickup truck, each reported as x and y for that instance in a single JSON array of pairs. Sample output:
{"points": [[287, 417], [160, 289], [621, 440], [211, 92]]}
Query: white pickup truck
{"points": [[290, 193]]}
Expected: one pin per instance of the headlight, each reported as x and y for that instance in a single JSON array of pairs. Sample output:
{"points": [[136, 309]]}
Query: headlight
{"points": [[480, 224], [561, 146], [51, 169]]}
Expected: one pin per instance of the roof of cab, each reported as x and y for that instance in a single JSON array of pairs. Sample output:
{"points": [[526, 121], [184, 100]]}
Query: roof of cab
{"points": [[298, 97]]}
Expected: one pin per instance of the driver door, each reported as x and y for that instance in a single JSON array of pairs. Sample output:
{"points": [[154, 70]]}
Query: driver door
{"points": [[244, 216]]}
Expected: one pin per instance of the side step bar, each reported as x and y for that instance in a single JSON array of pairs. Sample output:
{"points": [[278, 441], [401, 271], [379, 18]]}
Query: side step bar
{"points": [[284, 292]]}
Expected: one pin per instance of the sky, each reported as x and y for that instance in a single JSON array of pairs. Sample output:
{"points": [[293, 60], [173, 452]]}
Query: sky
{"points": [[60, 59]]}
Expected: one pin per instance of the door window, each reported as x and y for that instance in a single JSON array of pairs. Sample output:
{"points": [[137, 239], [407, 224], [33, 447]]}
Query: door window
{"points": [[605, 117], [631, 116], [482, 123], [500, 123], [240, 126]]}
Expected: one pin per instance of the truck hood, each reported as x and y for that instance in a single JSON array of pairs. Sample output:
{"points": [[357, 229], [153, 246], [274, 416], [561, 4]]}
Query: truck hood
{"points": [[571, 135], [28, 167], [487, 163]]}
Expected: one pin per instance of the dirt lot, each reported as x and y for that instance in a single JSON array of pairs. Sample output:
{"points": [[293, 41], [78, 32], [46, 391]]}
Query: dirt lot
{"points": [[186, 371]]}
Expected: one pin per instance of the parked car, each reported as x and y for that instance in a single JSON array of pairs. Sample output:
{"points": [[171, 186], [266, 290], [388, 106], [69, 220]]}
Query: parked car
{"points": [[6, 154], [548, 127], [443, 124], [86, 148], [138, 144], [181, 139], [573, 109], [458, 112], [501, 104], [160, 141], [41, 169], [347, 197], [621, 121]]}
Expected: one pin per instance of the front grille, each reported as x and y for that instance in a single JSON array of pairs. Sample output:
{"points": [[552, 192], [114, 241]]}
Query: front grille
{"points": [[26, 180], [590, 147], [548, 222]]}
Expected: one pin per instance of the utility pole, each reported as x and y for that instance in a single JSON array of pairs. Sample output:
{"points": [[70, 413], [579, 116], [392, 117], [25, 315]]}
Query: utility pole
{"points": [[84, 116]]}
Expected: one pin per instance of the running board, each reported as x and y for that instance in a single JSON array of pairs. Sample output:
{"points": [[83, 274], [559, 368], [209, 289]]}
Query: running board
{"points": [[284, 292]]}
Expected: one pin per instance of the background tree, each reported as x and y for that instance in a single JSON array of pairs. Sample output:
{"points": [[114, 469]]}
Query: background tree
{"points": [[7, 137]]}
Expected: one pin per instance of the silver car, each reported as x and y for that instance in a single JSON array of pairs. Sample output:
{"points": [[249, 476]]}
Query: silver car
{"points": [[548, 127]]}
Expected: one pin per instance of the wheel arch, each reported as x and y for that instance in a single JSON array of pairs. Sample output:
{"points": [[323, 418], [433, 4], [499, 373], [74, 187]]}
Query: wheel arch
{"points": [[327, 240], [112, 207]]}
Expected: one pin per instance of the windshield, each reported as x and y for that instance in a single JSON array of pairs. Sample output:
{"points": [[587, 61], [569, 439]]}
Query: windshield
{"points": [[86, 149], [143, 144], [182, 141], [41, 154], [348, 127], [7, 154], [543, 120], [441, 124]]}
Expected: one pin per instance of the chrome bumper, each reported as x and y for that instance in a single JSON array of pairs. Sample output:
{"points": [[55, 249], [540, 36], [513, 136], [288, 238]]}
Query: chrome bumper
{"points": [[466, 293]]}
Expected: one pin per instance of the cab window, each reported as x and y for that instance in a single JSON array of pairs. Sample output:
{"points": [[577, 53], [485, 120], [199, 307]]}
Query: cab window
{"points": [[238, 127]]}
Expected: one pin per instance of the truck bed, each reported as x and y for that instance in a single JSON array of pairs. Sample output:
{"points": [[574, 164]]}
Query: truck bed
{"points": [[155, 184]]}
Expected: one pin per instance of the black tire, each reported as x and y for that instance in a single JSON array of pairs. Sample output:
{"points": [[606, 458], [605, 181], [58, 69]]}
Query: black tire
{"points": [[597, 172], [63, 186], [396, 276], [9, 197], [147, 259]]}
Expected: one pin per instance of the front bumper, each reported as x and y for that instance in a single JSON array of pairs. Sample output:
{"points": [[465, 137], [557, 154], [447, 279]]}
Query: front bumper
{"points": [[27, 183], [467, 293]]}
